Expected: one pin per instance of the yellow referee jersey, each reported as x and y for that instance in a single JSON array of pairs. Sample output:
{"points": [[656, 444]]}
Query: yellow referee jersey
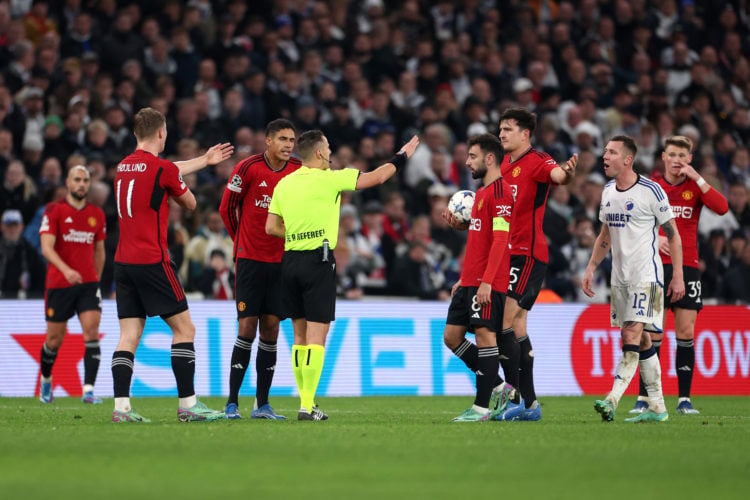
{"points": [[309, 201]]}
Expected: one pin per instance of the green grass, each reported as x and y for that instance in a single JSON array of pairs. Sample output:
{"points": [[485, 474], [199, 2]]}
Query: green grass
{"points": [[403, 447]]}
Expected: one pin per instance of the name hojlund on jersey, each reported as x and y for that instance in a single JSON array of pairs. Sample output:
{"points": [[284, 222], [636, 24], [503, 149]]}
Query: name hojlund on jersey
{"points": [[131, 167]]}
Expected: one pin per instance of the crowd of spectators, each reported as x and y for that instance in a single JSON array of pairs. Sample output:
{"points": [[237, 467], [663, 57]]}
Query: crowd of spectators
{"points": [[370, 73]]}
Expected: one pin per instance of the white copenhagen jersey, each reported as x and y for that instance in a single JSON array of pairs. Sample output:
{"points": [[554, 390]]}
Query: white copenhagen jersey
{"points": [[634, 216]]}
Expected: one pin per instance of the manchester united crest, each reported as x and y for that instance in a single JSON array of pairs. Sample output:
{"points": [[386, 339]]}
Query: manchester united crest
{"points": [[92, 221], [241, 306], [687, 195], [50, 312], [516, 172], [481, 202]]}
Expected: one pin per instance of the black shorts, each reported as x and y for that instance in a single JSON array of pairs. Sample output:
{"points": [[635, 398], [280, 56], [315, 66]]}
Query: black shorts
{"points": [[309, 285], [60, 304], [692, 298], [148, 290], [465, 311], [258, 288], [526, 278]]}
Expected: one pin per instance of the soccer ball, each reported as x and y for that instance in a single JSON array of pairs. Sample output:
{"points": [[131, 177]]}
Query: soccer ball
{"points": [[460, 205]]}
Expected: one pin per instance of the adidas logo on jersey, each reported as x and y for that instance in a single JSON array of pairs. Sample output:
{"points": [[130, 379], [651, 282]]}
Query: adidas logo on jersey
{"points": [[69, 220], [263, 184], [640, 313], [684, 369]]}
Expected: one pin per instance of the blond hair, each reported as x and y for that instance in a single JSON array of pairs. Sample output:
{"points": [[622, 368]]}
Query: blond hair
{"points": [[679, 141]]}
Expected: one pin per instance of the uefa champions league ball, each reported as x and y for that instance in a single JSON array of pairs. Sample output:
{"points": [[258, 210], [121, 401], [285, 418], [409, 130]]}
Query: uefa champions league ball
{"points": [[460, 205]]}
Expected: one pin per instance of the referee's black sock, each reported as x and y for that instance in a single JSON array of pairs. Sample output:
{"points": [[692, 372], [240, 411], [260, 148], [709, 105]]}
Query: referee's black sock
{"points": [[91, 358], [122, 373], [183, 366], [469, 354], [47, 360], [265, 365], [239, 362], [526, 373]]}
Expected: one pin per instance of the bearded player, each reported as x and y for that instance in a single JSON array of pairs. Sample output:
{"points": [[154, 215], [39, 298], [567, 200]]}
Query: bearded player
{"points": [[72, 235]]}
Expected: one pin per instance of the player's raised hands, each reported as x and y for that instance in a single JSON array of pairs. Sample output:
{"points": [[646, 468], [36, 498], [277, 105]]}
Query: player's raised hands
{"points": [[569, 167], [218, 153]]}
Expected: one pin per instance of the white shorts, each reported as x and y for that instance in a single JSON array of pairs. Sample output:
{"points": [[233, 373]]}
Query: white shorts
{"points": [[642, 303]]}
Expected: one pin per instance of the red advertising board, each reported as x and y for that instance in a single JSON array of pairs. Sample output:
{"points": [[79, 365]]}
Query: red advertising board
{"points": [[722, 352]]}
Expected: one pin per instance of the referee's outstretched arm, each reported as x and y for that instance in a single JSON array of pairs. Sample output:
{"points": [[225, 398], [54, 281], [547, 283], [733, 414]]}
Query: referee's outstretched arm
{"points": [[386, 170]]}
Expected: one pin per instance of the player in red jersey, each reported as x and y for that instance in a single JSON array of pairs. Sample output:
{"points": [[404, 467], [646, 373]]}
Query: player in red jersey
{"points": [[529, 173], [478, 297], [145, 280], [72, 237], [244, 209], [687, 193]]}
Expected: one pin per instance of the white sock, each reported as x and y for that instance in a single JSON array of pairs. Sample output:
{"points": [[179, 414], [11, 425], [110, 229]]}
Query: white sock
{"points": [[680, 400], [623, 375], [499, 388], [479, 409], [188, 402], [46, 379], [651, 375], [122, 404], [88, 388]]}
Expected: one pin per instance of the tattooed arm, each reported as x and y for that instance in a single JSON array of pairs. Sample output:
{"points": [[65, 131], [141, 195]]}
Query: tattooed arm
{"points": [[601, 249]]}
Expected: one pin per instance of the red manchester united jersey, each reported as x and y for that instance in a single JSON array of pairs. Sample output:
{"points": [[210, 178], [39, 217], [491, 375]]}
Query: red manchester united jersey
{"points": [[143, 184], [76, 232], [687, 201], [529, 177], [244, 208], [492, 211]]}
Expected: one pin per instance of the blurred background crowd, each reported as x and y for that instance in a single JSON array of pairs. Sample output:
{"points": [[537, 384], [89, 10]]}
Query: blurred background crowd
{"points": [[370, 73]]}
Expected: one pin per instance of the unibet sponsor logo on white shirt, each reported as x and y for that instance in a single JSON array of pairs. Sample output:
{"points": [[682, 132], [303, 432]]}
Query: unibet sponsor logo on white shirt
{"points": [[634, 216]]}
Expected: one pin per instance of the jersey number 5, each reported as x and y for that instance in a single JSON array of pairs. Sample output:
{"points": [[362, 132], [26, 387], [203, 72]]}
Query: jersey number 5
{"points": [[128, 199], [513, 277]]}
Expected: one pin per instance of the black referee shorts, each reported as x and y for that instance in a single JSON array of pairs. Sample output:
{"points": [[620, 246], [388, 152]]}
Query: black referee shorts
{"points": [[309, 285]]}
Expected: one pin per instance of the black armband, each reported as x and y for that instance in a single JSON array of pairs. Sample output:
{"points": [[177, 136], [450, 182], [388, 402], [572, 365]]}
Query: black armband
{"points": [[398, 160]]}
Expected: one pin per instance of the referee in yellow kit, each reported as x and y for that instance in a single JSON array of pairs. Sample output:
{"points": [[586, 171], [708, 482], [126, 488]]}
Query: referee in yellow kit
{"points": [[305, 211]]}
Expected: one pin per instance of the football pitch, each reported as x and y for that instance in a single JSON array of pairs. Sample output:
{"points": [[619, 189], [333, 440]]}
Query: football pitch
{"points": [[374, 447]]}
